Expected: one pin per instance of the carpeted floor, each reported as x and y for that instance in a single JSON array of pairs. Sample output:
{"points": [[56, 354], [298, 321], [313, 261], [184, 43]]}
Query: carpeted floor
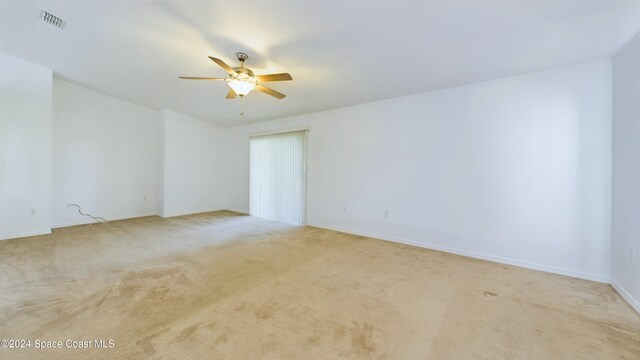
{"points": [[226, 286]]}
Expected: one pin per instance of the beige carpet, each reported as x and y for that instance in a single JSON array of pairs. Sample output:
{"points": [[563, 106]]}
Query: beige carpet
{"points": [[227, 286]]}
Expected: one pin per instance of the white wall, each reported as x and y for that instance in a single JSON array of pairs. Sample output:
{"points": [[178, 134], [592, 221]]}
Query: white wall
{"points": [[192, 166], [25, 148], [120, 160], [516, 170], [105, 156], [626, 172]]}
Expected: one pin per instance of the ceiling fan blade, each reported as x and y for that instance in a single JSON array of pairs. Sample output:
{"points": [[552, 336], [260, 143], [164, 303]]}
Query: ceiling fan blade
{"points": [[274, 77], [199, 78], [231, 94], [223, 65], [270, 91]]}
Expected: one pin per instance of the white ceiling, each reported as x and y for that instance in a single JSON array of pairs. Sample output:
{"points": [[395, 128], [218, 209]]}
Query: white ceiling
{"points": [[339, 52]]}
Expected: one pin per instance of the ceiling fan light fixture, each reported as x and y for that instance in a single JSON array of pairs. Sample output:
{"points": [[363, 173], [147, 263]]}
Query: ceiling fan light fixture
{"points": [[242, 80], [241, 87]]}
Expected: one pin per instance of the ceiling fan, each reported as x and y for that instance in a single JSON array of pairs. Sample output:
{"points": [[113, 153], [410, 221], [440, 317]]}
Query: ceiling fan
{"points": [[242, 81]]}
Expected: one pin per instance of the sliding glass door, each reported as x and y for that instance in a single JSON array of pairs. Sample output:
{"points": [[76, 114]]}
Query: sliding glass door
{"points": [[277, 176]]}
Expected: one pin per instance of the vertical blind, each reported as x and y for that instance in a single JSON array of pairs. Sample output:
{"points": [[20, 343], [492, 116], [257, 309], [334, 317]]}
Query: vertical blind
{"points": [[277, 176]]}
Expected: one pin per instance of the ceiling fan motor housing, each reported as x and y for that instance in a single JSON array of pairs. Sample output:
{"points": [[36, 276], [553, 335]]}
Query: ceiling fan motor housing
{"points": [[243, 71]]}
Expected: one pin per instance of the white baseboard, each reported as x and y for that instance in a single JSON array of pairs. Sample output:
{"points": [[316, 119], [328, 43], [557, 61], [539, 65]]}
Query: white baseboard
{"points": [[625, 295], [26, 234], [86, 220], [242, 212], [498, 259], [190, 212]]}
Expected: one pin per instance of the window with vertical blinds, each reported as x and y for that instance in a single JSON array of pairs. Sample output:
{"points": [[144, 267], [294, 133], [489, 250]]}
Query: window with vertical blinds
{"points": [[277, 176]]}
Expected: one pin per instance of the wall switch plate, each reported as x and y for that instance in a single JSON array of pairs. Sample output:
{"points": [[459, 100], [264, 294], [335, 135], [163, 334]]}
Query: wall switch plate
{"points": [[32, 211], [386, 213], [632, 254]]}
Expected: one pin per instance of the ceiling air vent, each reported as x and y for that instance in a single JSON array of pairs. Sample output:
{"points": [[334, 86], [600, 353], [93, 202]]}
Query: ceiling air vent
{"points": [[52, 19]]}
